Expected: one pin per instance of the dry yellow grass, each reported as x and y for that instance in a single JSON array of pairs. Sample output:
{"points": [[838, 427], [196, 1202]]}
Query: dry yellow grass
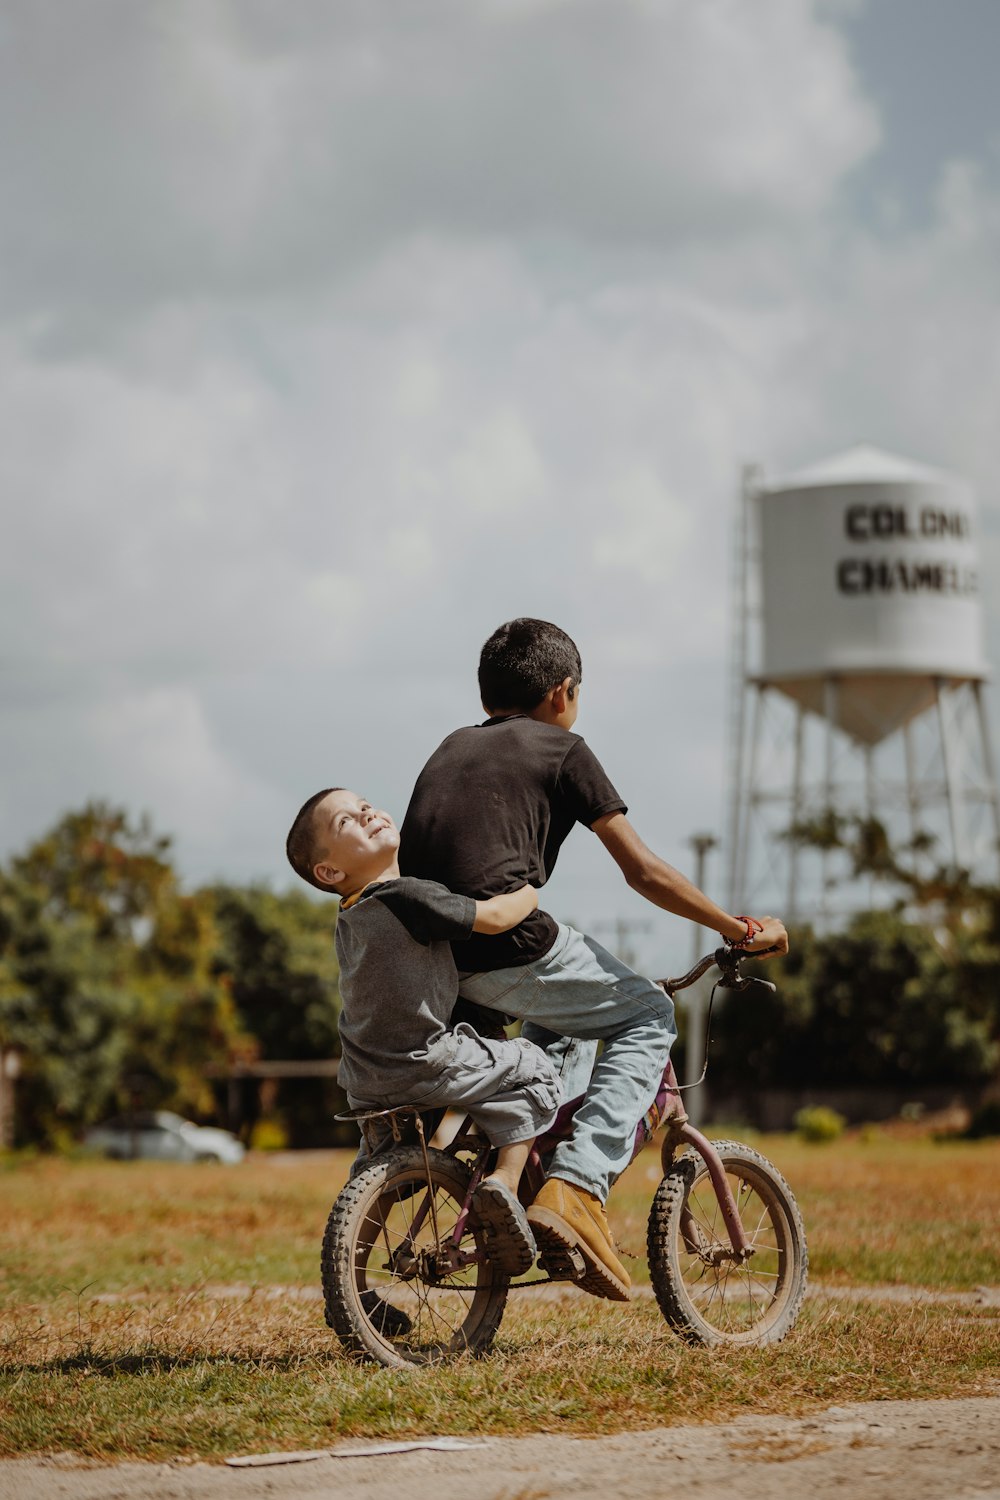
{"points": [[175, 1368], [192, 1376], [878, 1210]]}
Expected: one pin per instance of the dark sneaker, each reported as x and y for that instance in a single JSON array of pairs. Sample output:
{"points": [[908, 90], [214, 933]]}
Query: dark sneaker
{"points": [[509, 1241], [384, 1318], [568, 1222]]}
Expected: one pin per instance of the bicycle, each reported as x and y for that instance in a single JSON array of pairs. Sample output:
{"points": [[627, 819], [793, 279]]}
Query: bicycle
{"points": [[406, 1274]]}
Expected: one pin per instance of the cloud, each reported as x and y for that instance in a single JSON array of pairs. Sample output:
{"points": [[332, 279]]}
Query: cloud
{"points": [[231, 149], [333, 335], [649, 526], [912, 336], [147, 749]]}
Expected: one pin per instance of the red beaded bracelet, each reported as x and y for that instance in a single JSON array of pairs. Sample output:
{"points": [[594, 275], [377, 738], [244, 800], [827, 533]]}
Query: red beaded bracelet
{"points": [[753, 927]]}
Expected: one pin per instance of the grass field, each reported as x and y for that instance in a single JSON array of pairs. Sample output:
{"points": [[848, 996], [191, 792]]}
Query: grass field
{"points": [[142, 1311]]}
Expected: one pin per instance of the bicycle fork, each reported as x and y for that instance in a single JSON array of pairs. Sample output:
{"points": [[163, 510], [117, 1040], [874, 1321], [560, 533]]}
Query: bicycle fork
{"points": [[680, 1131]]}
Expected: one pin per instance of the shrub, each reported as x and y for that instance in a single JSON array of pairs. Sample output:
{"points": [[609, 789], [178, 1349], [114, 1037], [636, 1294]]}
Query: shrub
{"points": [[985, 1121], [818, 1124], [269, 1135]]}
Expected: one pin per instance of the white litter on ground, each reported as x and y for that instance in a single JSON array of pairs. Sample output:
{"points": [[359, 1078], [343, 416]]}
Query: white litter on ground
{"points": [[370, 1450]]}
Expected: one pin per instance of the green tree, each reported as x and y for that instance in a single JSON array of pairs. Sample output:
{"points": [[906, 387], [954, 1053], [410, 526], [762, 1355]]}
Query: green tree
{"points": [[98, 864], [276, 953], [886, 1002], [277, 958], [107, 975], [946, 893], [905, 996], [62, 1005]]}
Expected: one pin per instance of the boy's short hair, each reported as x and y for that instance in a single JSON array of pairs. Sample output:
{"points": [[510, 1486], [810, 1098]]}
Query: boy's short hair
{"points": [[522, 660], [300, 845]]}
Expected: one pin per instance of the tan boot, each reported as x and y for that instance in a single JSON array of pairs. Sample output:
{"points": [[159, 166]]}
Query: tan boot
{"points": [[563, 1218]]}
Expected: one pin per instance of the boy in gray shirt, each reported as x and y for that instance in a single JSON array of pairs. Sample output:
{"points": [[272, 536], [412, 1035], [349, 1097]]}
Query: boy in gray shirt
{"points": [[399, 984]]}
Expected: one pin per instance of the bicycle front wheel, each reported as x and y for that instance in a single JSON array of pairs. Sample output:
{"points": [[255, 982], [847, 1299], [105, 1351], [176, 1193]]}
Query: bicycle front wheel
{"points": [[401, 1286], [705, 1294]]}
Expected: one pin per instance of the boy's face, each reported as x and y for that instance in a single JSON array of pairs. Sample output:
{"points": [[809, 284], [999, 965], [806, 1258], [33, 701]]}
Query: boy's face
{"points": [[355, 842]]}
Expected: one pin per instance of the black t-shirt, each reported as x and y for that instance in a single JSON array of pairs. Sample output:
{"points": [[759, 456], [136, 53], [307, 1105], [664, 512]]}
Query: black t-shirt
{"points": [[491, 810]]}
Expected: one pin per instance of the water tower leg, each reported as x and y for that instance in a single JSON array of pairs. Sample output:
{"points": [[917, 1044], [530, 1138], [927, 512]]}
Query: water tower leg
{"points": [[952, 790], [830, 714], [912, 798], [870, 810], [747, 792], [736, 790], [988, 767], [738, 684], [791, 905]]}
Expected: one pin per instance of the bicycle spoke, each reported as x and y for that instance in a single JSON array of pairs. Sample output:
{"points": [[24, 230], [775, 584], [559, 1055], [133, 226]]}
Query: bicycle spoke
{"points": [[400, 1224], [410, 1288], [732, 1296]]}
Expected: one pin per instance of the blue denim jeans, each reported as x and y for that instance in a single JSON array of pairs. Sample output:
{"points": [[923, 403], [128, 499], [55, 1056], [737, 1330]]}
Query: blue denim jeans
{"points": [[579, 994]]}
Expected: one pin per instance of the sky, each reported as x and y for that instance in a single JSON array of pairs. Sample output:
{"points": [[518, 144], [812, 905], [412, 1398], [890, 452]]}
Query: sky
{"points": [[331, 336]]}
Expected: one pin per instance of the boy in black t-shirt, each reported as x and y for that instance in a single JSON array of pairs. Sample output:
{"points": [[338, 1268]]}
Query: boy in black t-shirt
{"points": [[491, 810], [398, 985]]}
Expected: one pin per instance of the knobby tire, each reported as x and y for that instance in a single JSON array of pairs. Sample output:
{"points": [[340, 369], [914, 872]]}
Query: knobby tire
{"points": [[705, 1297], [371, 1254]]}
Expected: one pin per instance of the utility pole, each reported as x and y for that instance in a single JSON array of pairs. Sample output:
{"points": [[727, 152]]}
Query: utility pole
{"points": [[701, 843], [10, 1068]]}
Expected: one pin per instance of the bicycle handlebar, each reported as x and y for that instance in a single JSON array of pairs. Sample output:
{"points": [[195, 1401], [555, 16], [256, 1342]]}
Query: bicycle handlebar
{"points": [[728, 961]]}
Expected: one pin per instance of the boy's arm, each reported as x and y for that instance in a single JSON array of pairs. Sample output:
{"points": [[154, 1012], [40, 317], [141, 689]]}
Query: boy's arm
{"points": [[666, 887], [501, 913]]}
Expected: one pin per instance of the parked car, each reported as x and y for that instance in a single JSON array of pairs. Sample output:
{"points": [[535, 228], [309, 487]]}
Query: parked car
{"points": [[159, 1135]]}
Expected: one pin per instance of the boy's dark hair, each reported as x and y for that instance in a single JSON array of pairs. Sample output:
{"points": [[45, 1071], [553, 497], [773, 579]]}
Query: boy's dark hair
{"points": [[522, 660], [300, 845]]}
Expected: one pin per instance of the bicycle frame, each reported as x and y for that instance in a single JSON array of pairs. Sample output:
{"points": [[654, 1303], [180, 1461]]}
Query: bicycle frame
{"points": [[666, 1111], [408, 1267]]}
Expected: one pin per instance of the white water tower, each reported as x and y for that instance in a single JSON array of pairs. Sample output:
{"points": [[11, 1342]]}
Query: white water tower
{"points": [[858, 674]]}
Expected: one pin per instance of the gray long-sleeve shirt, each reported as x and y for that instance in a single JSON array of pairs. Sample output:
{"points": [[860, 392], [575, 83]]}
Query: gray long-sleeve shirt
{"points": [[398, 985]]}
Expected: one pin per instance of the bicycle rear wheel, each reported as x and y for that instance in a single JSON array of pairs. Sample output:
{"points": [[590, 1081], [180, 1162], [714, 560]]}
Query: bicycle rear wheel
{"points": [[398, 1288], [703, 1292]]}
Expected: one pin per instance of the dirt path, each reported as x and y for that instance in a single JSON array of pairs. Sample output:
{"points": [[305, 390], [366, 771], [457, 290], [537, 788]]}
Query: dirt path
{"points": [[865, 1451]]}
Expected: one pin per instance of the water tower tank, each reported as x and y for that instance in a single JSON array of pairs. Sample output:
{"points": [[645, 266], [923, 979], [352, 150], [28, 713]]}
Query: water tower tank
{"points": [[869, 580]]}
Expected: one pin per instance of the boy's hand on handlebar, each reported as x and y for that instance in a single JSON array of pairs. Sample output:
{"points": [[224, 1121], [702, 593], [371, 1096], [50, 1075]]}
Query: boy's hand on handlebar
{"points": [[772, 938]]}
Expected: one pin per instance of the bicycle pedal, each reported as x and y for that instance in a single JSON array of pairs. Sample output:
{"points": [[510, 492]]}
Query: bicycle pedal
{"points": [[578, 1264], [564, 1264]]}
